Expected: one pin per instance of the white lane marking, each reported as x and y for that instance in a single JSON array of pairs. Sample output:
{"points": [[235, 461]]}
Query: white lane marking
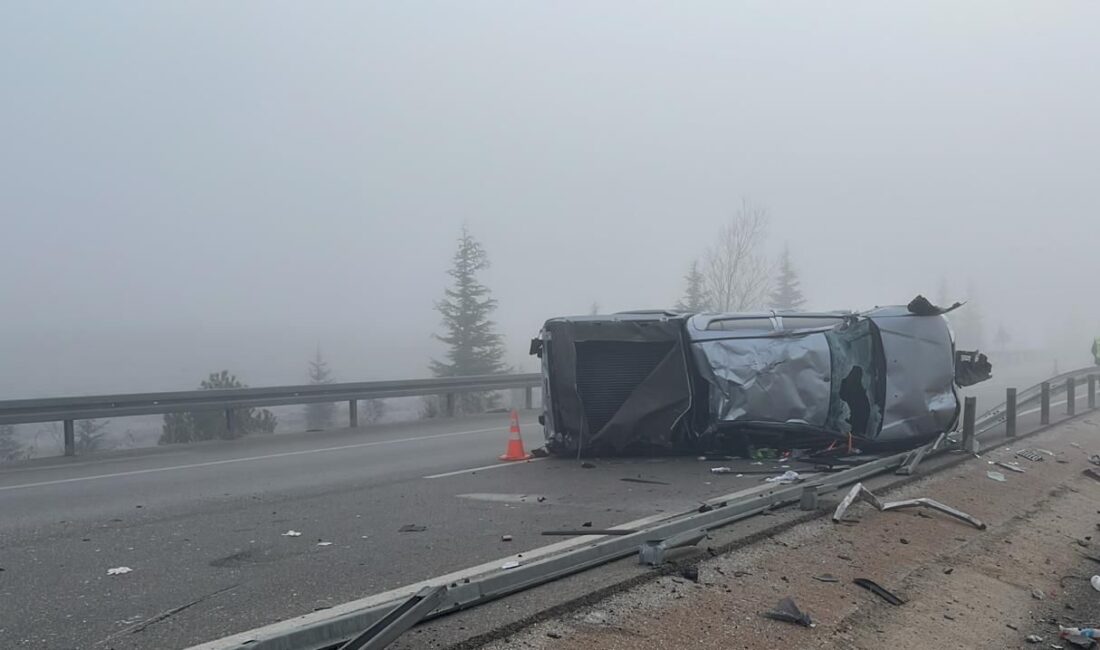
{"points": [[228, 461], [282, 627], [502, 463]]}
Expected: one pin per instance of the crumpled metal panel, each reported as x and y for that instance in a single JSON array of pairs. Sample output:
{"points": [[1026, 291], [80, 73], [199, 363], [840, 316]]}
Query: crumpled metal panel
{"points": [[920, 384], [773, 379]]}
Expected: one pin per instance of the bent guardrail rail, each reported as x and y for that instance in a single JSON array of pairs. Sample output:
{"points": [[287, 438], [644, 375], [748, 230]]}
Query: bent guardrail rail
{"points": [[69, 409]]}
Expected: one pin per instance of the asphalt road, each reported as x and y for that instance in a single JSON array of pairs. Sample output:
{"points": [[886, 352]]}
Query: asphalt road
{"points": [[207, 523]]}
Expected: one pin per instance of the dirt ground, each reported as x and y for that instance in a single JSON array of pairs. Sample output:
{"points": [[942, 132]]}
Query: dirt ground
{"points": [[963, 588]]}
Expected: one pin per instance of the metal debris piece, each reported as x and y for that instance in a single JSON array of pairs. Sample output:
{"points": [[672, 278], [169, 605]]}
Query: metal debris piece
{"points": [[644, 480], [859, 492], [1091, 473], [1030, 454], [690, 572], [119, 570], [505, 538], [878, 590], [1037, 594], [1010, 467], [324, 543], [787, 611], [412, 528], [826, 577], [509, 565], [401, 618], [292, 533], [996, 476], [1033, 638], [588, 465]]}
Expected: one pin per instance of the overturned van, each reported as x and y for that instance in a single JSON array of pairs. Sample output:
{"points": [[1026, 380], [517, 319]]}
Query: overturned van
{"points": [[665, 382]]}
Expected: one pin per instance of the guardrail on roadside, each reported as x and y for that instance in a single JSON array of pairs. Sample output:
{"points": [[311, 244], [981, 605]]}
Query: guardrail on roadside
{"points": [[70, 409]]}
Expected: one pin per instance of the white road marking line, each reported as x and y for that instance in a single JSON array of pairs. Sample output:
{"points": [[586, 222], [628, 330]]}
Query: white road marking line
{"points": [[503, 463], [228, 461], [267, 631]]}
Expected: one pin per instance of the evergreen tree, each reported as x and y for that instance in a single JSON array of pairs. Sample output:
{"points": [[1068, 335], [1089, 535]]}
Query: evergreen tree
{"points": [[473, 345], [10, 448], [695, 292], [319, 414], [787, 295], [212, 425]]}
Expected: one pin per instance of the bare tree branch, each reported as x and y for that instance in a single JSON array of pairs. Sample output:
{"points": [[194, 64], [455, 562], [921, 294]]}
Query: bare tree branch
{"points": [[736, 270]]}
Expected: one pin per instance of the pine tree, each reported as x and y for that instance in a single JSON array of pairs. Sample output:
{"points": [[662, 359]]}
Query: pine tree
{"points": [[10, 448], [474, 347], [319, 414], [212, 425], [695, 292], [787, 295]]}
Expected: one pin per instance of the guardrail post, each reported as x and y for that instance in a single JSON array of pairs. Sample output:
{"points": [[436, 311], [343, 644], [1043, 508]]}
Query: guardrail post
{"points": [[70, 439], [1071, 396], [1010, 413], [969, 442], [353, 413], [1092, 391], [1044, 403], [449, 404], [229, 420], [808, 500], [528, 399]]}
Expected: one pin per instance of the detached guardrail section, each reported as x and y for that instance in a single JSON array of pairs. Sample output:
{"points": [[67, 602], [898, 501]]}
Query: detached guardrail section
{"points": [[371, 624], [70, 409]]}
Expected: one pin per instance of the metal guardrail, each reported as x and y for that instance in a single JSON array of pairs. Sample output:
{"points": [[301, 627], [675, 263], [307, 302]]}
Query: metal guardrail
{"points": [[320, 631], [69, 409]]}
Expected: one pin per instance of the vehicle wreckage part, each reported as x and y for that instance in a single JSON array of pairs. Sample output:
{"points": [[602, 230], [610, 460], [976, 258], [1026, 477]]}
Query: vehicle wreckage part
{"points": [[859, 492], [878, 590], [787, 611], [405, 615]]}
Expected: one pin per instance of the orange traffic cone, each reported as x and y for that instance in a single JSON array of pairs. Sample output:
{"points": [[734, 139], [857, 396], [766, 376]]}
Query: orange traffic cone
{"points": [[515, 449]]}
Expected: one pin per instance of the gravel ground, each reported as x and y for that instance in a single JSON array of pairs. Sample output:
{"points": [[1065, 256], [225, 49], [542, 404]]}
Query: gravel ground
{"points": [[964, 588]]}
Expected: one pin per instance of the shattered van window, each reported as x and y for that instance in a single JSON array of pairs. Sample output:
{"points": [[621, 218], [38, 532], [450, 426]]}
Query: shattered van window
{"points": [[856, 372]]}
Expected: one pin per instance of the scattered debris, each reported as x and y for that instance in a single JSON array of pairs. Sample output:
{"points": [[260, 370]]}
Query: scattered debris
{"points": [[721, 470], [1095, 582], [505, 538], [587, 524], [785, 478], [1075, 444], [704, 508], [1030, 454], [292, 533], [826, 577], [787, 611], [119, 570], [903, 540], [859, 492], [1037, 594], [948, 571], [996, 476], [690, 572], [1033, 638], [1095, 459], [412, 528], [324, 543], [509, 565], [878, 590], [643, 480], [589, 531], [553, 635], [588, 465], [1010, 467], [1091, 473], [1080, 641], [845, 557]]}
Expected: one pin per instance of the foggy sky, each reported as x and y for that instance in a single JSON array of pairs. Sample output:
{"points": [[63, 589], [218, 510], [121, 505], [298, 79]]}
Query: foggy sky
{"points": [[190, 186]]}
